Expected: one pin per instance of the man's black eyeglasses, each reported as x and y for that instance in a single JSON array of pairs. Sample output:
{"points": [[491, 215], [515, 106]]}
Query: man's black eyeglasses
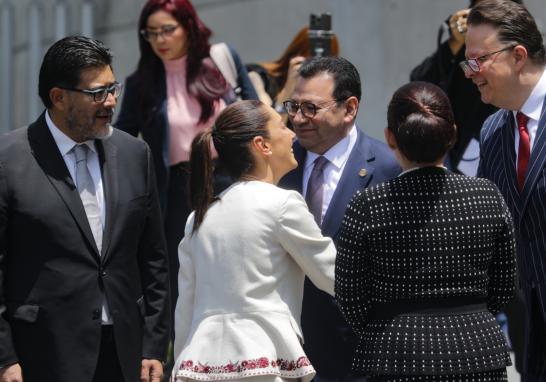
{"points": [[100, 94], [308, 109]]}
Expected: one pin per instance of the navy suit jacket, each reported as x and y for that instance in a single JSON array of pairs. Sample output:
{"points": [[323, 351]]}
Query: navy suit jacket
{"points": [[528, 208], [329, 341]]}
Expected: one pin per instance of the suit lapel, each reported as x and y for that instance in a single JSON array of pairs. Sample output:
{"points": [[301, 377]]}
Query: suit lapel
{"points": [[49, 158], [356, 175], [509, 161], [108, 162], [536, 162]]}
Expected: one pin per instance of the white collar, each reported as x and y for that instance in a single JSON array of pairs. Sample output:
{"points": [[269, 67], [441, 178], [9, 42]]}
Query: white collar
{"points": [[532, 107]]}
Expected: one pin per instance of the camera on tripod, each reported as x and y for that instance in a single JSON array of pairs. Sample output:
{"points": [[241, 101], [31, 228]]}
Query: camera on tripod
{"points": [[320, 34]]}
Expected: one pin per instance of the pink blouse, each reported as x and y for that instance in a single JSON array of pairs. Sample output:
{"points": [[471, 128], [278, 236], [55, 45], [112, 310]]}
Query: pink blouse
{"points": [[183, 112]]}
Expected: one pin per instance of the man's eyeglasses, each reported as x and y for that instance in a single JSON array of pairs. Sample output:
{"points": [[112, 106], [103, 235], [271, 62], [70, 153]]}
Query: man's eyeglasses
{"points": [[472, 65], [308, 109], [100, 94], [164, 31]]}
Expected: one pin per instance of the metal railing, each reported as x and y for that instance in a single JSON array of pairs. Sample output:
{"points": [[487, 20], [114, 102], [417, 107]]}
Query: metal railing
{"points": [[34, 48]]}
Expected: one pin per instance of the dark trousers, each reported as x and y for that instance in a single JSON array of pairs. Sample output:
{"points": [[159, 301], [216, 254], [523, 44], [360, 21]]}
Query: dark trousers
{"points": [[108, 368], [535, 352], [176, 214], [515, 312]]}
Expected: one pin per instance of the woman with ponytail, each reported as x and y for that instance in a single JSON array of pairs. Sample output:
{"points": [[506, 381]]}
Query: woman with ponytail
{"points": [[245, 255]]}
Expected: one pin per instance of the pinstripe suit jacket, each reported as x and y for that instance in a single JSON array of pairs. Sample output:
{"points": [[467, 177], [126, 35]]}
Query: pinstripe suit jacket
{"points": [[528, 208]]}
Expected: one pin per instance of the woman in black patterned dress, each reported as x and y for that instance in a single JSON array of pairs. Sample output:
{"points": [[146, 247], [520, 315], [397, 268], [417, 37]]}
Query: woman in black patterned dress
{"points": [[426, 260]]}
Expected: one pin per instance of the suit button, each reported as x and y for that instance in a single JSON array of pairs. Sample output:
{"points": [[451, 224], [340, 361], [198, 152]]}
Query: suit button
{"points": [[103, 273], [96, 314]]}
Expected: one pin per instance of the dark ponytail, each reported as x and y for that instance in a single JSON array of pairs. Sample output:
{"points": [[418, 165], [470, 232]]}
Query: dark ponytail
{"points": [[234, 129], [201, 182]]}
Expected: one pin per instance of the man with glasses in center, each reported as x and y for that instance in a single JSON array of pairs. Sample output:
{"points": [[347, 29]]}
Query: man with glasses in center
{"points": [[506, 60], [335, 160]]}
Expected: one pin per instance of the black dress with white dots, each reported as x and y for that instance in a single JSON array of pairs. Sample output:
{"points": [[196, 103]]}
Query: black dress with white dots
{"points": [[424, 262]]}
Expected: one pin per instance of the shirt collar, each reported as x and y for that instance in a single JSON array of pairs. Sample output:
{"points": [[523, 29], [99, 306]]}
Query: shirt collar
{"points": [[63, 141], [339, 153], [532, 107]]}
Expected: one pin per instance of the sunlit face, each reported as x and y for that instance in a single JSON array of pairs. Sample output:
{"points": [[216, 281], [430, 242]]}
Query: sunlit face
{"points": [[280, 142], [83, 118], [497, 73], [167, 45], [319, 133]]}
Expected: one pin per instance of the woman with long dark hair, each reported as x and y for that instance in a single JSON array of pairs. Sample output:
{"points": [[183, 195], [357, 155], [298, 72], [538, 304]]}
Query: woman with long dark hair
{"points": [[425, 260], [245, 255], [175, 92]]}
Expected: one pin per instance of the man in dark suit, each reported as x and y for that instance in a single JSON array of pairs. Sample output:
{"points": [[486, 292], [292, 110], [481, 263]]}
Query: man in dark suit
{"points": [[84, 293], [322, 111], [506, 59]]}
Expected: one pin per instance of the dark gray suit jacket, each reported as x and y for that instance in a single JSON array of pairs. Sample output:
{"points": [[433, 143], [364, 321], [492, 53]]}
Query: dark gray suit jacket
{"points": [[52, 276]]}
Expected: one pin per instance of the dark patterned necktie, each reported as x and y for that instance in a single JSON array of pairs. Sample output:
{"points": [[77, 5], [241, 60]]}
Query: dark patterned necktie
{"points": [[315, 188]]}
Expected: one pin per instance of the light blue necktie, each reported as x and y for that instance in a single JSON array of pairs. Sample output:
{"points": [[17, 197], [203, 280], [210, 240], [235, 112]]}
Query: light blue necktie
{"points": [[88, 194]]}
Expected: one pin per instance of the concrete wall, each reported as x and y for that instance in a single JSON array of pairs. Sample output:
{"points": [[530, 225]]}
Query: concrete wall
{"points": [[385, 39]]}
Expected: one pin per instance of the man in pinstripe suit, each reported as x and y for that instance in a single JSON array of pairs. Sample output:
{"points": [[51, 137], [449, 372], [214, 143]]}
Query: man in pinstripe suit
{"points": [[506, 60]]}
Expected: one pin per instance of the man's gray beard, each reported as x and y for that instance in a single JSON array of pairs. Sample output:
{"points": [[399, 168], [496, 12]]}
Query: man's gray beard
{"points": [[108, 134]]}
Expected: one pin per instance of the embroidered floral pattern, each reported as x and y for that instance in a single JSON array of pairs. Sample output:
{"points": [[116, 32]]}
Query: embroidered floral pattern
{"points": [[246, 365]]}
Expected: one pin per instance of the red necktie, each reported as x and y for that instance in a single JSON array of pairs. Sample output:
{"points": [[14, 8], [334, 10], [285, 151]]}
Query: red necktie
{"points": [[524, 151]]}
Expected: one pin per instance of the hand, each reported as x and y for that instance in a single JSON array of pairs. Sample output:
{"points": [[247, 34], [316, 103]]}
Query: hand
{"points": [[11, 373], [292, 76], [457, 26], [151, 370]]}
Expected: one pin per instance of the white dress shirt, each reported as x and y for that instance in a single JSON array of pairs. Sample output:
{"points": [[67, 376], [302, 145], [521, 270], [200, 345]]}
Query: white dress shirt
{"points": [[532, 108], [337, 158], [65, 145]]}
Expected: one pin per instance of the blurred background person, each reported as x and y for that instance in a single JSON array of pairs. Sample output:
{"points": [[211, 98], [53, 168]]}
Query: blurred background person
{"points": [[175, 92], [442, 68], [244, 256], [425, 260], [275, 80]]}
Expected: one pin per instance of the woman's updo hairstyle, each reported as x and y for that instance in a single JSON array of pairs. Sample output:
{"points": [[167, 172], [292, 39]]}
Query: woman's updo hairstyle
{"points": [[422, 122]]}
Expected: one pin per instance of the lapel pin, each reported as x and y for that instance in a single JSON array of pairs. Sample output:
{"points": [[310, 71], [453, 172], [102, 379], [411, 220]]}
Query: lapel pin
{"points": [[362, 172]]}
